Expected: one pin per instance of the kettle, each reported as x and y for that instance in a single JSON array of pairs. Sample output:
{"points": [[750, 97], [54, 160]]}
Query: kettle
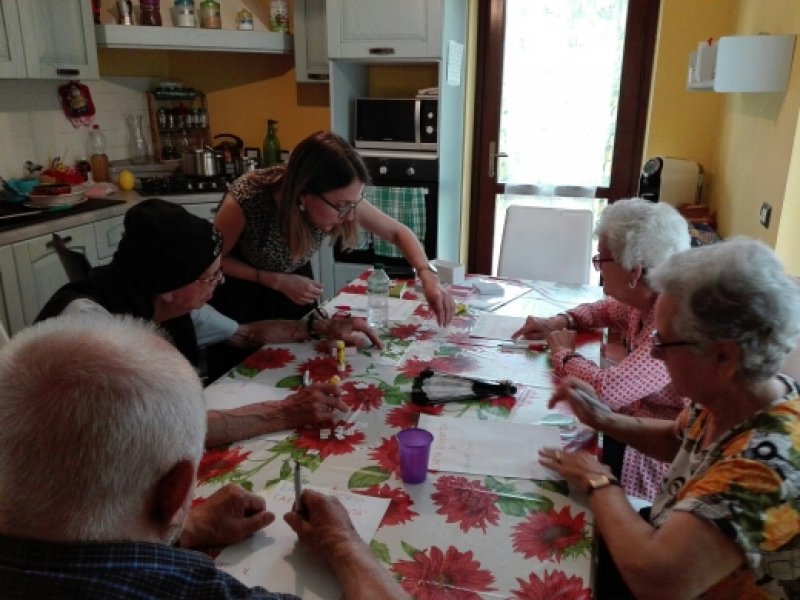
{"points": [[231, 150]]}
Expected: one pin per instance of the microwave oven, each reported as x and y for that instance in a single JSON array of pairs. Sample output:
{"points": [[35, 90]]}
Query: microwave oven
{"points": [[397, 123]]}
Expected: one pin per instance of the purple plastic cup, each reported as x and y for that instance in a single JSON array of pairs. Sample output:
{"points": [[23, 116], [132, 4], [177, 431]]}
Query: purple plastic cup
{"points": [[414, 447]]}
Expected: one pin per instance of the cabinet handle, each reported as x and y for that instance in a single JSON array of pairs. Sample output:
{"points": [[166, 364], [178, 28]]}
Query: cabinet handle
{"points": [[68, 72], [381, 51], [318, 76], [66, 239]]}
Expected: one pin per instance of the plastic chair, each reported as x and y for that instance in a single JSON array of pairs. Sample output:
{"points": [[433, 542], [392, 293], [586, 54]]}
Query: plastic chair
{"points": [[550, 244], [75, 264]]}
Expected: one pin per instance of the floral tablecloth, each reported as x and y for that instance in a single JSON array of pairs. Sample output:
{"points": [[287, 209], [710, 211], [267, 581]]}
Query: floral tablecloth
{"points": [[454, 536]]}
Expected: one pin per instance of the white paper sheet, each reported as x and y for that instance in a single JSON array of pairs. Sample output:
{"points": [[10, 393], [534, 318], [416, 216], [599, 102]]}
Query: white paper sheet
{"points": [[232, 393], [496, 327], [498, 448], [273, 558], [399, 309]]}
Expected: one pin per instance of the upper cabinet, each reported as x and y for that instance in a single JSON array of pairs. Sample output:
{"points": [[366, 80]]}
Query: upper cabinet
{"points": [[192, 38], [12, 57], [57, 38], [310, 41], [384, 29]]}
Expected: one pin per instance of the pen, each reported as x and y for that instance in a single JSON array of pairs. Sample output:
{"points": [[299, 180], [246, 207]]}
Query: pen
{"points": [[535, 347], [298, 489]]}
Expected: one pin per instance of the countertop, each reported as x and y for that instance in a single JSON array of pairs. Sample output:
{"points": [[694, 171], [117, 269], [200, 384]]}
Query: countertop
{"points": [[26, 232]]}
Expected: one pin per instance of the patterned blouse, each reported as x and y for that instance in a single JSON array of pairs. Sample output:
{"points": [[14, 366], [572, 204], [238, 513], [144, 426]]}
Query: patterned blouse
{"points": [[262, 244], [747, 484], [639, 385]]}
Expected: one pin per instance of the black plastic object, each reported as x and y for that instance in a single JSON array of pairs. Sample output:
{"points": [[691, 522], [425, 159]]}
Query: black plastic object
{"points": [[432, 388]]}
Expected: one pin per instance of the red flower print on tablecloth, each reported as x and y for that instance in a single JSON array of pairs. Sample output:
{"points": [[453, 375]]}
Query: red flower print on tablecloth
{"points": [[460, 363], [554, 586], [362, 396], [322, 368], [216, 463], [309, 439], [434, 575], [413, 367], [551, 535], [399, 510], [322, 347], [269, 358], [386, 456], [407, 415], [409, 295], [468, 503], [354, 288], [410, 330], [423, 310]]}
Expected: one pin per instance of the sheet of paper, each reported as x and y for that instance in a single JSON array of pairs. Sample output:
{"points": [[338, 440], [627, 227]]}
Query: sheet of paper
{"points": [[498, 448], [273, 559], [496, 327], [230, 393], [356, 304]]}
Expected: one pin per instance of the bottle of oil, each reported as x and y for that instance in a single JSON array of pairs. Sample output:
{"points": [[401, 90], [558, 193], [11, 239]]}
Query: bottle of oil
{"points": [[272, 146], [96, 149]]}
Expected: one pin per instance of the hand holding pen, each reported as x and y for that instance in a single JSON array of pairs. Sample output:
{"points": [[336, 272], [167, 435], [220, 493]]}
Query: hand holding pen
{"points": [[299, 507]]}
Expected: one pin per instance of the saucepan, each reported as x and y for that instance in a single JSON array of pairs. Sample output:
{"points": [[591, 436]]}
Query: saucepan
{"points": [[202, 162]]}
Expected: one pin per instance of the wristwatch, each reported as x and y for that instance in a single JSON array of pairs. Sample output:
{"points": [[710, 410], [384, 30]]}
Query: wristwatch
{"points": [[428, 266], [599, 480]]}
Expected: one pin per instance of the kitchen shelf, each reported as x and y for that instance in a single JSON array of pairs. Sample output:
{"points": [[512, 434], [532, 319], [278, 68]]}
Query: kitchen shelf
{"points": [[197, 136], [192, 39]]}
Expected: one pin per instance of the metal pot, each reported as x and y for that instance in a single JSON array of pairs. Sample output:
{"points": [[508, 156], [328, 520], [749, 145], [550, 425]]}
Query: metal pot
{"points": [[202, 162]]}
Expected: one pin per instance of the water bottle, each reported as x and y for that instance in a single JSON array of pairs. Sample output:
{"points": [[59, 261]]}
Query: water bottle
{"points": [[378, 297]]}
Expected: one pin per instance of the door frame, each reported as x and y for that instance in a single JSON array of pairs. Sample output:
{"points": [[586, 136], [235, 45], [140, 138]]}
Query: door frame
{"points": [[634, 96]]}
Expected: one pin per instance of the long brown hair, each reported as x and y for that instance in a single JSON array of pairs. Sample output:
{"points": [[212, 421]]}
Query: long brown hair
{"points": [[320, 163]]}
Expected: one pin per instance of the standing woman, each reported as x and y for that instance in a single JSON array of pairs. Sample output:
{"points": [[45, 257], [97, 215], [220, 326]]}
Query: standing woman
{"points": [[272, 220], [634, 236]]}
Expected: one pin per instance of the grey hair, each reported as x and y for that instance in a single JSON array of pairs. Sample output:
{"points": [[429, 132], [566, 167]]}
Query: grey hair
{"points": [[640, 233], [94, 412], [734, 290]]}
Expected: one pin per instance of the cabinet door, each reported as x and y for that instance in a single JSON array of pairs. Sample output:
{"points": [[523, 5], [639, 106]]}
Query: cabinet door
{"points": [[384, 29], [39, 269], [58, 39], [10, 302], [12, 57], [108, 233], [310, 41]]}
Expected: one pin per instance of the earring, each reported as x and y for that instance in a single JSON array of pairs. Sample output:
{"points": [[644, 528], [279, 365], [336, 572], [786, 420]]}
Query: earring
{"points": [[632, 284], [302, 207]]}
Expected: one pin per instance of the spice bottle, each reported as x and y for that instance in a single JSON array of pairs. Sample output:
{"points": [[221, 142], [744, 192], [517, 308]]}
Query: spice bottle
{"points": [[244, 20], [278, 16], [183, 13], [150, 12], [210, 17]]}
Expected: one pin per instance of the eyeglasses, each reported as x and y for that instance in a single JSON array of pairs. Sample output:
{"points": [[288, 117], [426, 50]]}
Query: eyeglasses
{"points": [[597, 261], [213, 280], [658, 345], [341, 211]]}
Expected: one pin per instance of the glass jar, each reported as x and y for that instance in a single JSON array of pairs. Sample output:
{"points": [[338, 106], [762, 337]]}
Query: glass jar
{"points": [[183, 13], [244, 20], [150, 12], [278, 16], [210, 17]]}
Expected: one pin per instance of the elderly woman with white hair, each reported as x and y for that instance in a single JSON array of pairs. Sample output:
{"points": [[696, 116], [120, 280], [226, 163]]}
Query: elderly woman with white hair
{"points": [[634, 236], [726, 521]]}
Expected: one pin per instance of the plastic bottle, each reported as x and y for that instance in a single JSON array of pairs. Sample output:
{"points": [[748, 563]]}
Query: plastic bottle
{"points": [[184, 13], [272, 145], [378, 297], [96, 149]]}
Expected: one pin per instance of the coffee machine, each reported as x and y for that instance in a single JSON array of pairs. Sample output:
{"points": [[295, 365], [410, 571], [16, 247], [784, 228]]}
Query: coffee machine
{"points": [[676, 181]]}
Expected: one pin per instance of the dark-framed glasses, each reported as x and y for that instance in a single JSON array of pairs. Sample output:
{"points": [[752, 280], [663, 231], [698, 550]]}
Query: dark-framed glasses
{"points": [[343, 210], [597, 261], [659, 345], [213, 280]]}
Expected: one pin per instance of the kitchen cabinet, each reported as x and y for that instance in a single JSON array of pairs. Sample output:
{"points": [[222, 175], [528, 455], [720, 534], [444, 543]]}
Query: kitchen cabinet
{"points": [[57, 38], [384, 29], [12, 56], [310, 41], [10, 302], [107, 234], [39, 270]]}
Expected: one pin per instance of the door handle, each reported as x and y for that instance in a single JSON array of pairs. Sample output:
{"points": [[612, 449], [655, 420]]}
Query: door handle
{"points": [[493, 156], [381, 51]]}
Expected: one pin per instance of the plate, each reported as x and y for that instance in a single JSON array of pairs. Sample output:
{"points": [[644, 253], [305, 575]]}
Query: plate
{"points": [[55, 205], [45, 201]]}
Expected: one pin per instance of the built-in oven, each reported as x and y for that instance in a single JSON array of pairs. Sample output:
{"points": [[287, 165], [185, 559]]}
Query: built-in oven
{"points": [[405, 186]]}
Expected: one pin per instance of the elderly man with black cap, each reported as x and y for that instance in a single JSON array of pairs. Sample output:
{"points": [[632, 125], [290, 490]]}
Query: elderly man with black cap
{"points": [[165, 269]]}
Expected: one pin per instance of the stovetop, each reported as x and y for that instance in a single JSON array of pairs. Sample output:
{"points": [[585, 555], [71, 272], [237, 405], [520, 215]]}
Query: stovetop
{"points": [[13, 216], [175, 184]]}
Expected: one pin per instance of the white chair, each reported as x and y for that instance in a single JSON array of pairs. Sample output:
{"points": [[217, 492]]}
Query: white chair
{"points": [[551, 244]]}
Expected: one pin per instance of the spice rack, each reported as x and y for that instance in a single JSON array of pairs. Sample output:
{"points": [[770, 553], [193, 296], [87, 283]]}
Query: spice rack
{"points": [[178, 122]]}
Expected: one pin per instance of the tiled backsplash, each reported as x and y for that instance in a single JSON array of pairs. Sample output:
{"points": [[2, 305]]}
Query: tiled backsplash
{"points": [[33, 126]]}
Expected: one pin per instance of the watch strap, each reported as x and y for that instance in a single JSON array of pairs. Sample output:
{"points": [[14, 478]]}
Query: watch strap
{"points": [[601, 481]]}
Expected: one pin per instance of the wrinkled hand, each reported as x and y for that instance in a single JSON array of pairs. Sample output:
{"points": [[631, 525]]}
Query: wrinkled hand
{"points": [[440, 302], [561, 339], [327, 531], [574, 467], [228, 516], [300, 290], [311, 405], [536, 328], [587, 413], [350, 330]]}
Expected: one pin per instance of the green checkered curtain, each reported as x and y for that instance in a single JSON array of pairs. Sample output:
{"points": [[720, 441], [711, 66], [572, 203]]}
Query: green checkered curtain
{"points": [[406, 204]]}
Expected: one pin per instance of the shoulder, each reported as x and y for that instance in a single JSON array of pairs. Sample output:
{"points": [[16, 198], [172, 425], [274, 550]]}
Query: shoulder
{"points": [[84, 306]]}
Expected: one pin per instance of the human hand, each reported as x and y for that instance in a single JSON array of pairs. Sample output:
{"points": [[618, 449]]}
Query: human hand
{"points": [[349, 329], [561, 339], [536, 328], [327, 529], [228, 516], [583, 401], [300, 290], [574, 467], [313, 404], [439, 301]]}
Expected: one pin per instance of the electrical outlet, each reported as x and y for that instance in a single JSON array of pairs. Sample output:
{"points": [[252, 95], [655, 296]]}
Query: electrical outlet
{"points": [[764, 214]]}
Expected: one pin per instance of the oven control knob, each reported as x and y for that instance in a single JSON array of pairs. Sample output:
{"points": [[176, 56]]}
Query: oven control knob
{"points": [[429, 130], [383, 169], [430, 115], [411, 171]]}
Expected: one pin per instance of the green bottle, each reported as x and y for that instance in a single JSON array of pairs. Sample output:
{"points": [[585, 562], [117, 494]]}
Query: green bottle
{"points": [[272, 145]]}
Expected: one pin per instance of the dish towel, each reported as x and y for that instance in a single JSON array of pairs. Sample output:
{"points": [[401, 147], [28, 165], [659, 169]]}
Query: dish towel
{"points": [[406, 204]]}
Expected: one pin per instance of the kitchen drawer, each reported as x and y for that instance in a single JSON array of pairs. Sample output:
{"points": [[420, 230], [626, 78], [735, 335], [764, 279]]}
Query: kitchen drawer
{"points": [[108, 233]]}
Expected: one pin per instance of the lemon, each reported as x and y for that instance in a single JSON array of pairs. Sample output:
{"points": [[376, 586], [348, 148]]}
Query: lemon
{"points": [[126, 180]]}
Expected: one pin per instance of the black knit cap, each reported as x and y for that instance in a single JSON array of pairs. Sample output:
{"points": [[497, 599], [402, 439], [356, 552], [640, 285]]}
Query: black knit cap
{"points": [[164, 246]]}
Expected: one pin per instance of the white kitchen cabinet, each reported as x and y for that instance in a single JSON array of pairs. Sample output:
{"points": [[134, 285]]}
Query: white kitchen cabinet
{"points": [[39, 270], [384, 29], [12, 57], [108, 233], [192, 39], [11, 315], [310, 41], [57, 38]]}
